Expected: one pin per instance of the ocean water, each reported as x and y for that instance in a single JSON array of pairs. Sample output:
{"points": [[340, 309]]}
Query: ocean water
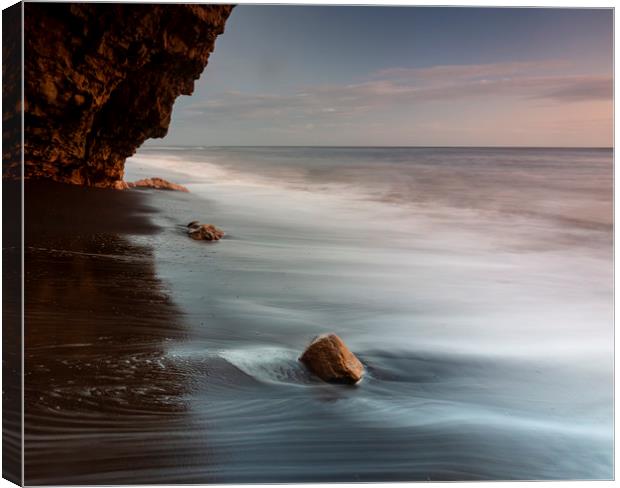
{"points": [[475, 284]]}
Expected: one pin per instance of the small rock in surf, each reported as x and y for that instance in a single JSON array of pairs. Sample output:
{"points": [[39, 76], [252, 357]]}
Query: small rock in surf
{"points": [[204, 232], [331, 360], [158, 184]]}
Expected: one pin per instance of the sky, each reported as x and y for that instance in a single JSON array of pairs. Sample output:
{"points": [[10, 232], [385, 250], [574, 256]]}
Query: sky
{"points": [[404, 76]]}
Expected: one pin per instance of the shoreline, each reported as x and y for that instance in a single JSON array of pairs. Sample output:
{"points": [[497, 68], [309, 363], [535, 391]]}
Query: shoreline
{"points": [[206, 386], [96, 316]]}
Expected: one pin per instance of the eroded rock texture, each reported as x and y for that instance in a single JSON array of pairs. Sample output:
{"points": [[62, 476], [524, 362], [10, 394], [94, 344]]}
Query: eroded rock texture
{"points": [[100, 79]]}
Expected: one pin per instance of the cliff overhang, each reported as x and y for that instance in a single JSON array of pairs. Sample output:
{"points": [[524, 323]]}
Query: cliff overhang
{"points": [[100, 79]]}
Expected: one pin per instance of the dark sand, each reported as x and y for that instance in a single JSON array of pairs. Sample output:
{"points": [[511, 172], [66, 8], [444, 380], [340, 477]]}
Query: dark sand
{"points": [[11, 332], [98, 398]]}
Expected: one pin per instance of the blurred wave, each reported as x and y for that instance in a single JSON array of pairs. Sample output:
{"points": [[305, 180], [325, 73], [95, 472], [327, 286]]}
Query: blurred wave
{"points": [[474, 284]]}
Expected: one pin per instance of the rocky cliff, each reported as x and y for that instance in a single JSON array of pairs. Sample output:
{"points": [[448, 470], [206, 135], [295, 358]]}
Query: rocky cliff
{"points": [[100, 79]]}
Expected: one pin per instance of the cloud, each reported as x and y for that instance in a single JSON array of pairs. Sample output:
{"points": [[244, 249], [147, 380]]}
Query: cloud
{"points": [[456, 72], [398, 88], [594, 88]]}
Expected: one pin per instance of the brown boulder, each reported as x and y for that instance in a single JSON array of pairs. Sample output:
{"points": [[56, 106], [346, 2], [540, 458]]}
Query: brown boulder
{"points": [[120, 185], [158, 184], [204, 232], [330, 359]]}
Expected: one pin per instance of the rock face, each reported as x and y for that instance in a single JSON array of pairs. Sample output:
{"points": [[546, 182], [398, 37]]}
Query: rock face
{"points": [[100, 79], [330, 359], [204, 232], [157, 183]]}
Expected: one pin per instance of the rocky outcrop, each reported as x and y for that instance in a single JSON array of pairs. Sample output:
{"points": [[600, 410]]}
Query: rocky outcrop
{"points": [[157, 184], [101, 78], [330, 359], [204, 232]]}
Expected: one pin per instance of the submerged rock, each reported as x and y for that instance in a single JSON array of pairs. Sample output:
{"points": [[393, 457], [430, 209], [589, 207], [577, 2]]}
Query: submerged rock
{"points": [[330, 359], [158, 184], [204, 232]]}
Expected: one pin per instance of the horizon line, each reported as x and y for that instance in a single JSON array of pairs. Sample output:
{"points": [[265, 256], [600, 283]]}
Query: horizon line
{"points": [[382, 146]]}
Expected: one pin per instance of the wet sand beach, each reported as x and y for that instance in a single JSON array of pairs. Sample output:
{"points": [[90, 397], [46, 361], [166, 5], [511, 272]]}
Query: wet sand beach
{"points": [[100, 403]]}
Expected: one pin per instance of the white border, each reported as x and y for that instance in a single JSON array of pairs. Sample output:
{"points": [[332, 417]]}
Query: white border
{"points": [[471, 3]]}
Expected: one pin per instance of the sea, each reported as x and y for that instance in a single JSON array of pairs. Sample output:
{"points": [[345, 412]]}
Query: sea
{"points": [[474, 284]]}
